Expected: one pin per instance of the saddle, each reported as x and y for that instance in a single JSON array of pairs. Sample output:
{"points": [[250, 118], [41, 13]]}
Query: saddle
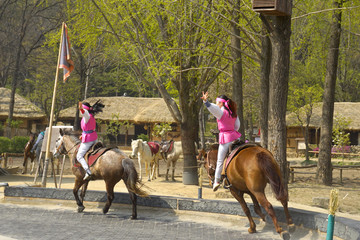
{"points": [[236, 147], [166, 147], [95, 152], [92, 154], [154, 147]]}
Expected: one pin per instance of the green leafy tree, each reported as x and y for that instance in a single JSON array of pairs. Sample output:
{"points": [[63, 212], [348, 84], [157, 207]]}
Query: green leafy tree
{"points": [[161, 130], [113, 127]]}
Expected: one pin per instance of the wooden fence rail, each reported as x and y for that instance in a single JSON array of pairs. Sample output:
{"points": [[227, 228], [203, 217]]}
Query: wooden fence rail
{"points": [[5, 156], [292, 170]]}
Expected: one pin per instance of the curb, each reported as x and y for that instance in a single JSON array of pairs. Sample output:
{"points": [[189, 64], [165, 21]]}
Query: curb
{"points": [[344, 228]]}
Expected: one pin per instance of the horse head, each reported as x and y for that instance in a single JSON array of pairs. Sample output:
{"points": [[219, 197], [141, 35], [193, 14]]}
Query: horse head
{"points": [[59, 145], [135, 145]]}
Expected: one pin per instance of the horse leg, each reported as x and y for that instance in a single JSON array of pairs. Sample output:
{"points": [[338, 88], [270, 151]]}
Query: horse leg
{"points": [[291, 225], [139, 161], [78, 183], [32, 166], [173, 163], [152, 169], [240, 197], [24, 164], [260, 196], [83, 191], [257, 207], [147, 170], [110, 196], [167, 170]]}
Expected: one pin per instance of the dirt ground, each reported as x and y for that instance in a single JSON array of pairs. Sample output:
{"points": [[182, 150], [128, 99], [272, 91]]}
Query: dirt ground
{"points": [[301, 191]]}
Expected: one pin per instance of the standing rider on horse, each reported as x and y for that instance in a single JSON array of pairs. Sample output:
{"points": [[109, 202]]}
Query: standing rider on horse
{"points": [[228, 124], [89, 135]]}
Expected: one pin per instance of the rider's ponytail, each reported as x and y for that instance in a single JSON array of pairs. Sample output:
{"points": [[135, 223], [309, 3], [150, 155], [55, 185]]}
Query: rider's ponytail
{"points": [[96, 108]]}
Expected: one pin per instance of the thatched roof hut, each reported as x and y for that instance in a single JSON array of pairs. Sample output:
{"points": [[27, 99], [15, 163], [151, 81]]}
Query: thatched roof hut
{"points": [[22, 108], [349, 110], [132, 109], [32, 117]]}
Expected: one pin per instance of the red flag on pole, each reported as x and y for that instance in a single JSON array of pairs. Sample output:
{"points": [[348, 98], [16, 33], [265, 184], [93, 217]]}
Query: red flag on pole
{"points": [[65, 57]]}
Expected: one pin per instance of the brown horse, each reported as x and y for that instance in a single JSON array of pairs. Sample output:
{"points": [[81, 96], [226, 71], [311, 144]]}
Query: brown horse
{"points": [[28, 153], [112, 166], [209, 158], [249, 172]]}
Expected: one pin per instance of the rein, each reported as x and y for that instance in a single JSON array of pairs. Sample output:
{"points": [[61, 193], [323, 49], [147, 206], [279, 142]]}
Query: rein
{"points": [[66, 151]]}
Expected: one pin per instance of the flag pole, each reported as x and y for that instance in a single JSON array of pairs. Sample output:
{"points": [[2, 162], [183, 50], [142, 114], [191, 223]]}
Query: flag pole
{"points": [[47, 155]]}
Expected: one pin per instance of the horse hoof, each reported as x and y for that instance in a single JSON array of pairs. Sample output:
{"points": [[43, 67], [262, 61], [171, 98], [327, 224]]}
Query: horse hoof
{"points": [[105, 210], [250, 230], [285, 235], [173, 179], [291, 228], [133, 217], [81, 209]]}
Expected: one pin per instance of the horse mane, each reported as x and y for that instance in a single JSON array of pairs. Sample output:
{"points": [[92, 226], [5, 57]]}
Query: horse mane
{"points": [[73, 134], [266, 164]]}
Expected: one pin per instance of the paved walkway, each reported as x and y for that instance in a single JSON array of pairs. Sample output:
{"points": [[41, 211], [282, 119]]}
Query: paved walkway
{"points": [[55, 222]]}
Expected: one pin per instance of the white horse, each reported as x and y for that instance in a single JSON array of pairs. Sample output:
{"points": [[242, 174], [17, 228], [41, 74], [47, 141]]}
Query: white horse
{"points": [[145, 156], [171, 155]]}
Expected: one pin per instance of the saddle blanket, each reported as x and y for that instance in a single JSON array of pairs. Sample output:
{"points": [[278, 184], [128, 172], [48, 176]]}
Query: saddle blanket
{"points": [[154, 147]]}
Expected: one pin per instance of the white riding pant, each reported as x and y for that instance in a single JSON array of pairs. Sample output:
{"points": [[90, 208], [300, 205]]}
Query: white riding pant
{"points": [[222, 151], [84, 147]]}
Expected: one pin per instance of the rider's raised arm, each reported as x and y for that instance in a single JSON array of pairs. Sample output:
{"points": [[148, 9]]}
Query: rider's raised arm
{"points": [[214, 109]]}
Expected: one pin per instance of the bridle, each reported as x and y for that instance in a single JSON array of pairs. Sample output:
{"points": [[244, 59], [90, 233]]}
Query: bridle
{"points": [[66, 151]]}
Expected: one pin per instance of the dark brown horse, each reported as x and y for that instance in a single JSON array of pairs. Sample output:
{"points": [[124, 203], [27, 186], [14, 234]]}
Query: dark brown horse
{"points": [[28, 153], [112, 166], [249, 172]]}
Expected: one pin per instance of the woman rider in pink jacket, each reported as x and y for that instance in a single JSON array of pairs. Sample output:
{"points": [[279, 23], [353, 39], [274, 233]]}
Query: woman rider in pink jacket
{"points": [[228, 125], [89, 135]]}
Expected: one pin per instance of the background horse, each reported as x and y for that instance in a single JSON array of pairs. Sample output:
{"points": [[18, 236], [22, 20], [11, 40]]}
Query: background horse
{"points": [[249, 172], [112, 166], [145, 156], [28, 153], [171, 152], [209, 159]]}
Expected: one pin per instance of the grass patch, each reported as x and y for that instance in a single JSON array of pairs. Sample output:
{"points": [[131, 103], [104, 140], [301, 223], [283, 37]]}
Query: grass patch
{"points": [[309, 162]]}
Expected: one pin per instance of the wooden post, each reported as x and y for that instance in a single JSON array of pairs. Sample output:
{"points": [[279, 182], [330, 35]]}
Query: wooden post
{"points": [[47, 154], [200, 182], [340, 175], [62, 170], [4, 161]]}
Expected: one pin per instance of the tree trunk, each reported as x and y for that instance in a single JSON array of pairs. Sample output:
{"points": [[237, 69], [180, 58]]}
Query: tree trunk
{"points": [[324, 168], [279, 78], [189, 130], [13, 88], [189, 134], [264, 96], [237, 94]]}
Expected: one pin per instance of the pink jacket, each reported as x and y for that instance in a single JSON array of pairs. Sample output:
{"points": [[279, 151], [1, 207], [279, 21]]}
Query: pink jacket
{"points": [[89, 134], [226, 127]]}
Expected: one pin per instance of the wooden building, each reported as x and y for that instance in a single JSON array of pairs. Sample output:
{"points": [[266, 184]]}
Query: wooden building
{"points": [[31, 117], [142, 113], [349, 110]]}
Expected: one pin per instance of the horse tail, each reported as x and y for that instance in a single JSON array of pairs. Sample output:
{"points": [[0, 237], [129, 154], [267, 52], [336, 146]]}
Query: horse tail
{"points": [[268, 166], [131, 178]]}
